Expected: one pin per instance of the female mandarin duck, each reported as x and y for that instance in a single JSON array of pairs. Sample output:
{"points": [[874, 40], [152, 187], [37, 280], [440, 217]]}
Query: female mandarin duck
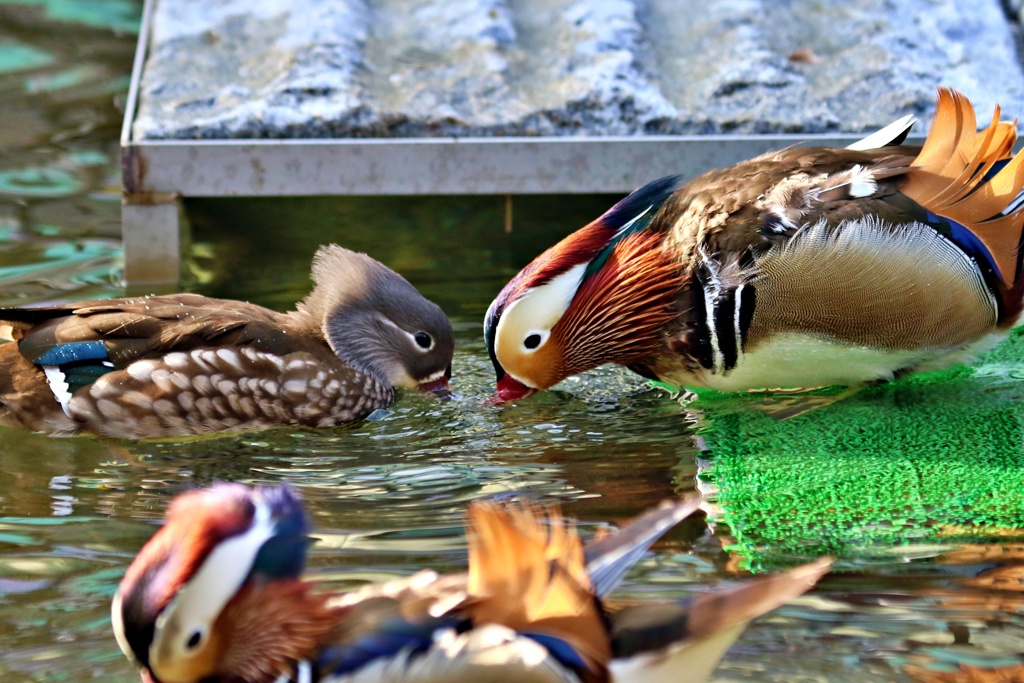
{"points": [[797, 269], [185, 364], [216, 596]]}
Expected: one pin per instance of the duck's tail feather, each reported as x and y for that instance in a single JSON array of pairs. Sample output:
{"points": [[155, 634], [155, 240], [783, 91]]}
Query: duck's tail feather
{"points": [[893, 134], [654, 643], [609, 558]]}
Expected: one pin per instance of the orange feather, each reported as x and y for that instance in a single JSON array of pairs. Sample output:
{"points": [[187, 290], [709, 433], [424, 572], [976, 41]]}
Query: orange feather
{"points": [[948, 178], [624, 305], [528, 573], [268, 626]]}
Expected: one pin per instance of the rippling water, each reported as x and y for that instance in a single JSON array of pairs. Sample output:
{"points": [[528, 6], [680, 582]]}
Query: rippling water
{"points": [[387, 495]]}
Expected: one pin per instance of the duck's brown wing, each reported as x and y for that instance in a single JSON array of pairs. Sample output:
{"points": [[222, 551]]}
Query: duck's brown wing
{"points": [[174, 365], [147, 327]]}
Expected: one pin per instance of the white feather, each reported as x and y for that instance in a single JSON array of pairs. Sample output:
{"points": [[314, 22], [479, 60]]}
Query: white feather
{"points": [[737, 318], [711, 291], [486, 653], [59, 386], [862, 182], [886, 136]]}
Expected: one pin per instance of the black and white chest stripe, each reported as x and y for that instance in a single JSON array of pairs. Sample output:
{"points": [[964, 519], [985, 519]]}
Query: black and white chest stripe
{"points": [[724, 312]]}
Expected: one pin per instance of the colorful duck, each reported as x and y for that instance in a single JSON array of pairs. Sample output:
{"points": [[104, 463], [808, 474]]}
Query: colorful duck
{"points": [[216, 596], [801, 268], [182, 364]]}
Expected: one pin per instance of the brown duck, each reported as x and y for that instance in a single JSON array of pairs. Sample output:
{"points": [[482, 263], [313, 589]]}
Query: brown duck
{"points": [[181, 364]]}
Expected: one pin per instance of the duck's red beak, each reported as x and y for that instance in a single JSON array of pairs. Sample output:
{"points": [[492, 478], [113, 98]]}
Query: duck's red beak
{"points": [[438, 387], [510, 389]]}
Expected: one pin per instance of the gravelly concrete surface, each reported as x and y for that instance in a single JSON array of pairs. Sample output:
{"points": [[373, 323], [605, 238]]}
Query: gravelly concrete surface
{"points": [[428, 68]]}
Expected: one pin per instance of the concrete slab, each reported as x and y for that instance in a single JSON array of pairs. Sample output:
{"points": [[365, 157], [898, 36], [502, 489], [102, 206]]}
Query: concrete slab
{"points": [[301, 97], [426, 68]]}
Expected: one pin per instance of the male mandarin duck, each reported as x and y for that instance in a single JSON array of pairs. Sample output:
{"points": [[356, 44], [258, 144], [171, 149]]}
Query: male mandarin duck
{"points": [[183, 364], [801, 268], [216, 595]]}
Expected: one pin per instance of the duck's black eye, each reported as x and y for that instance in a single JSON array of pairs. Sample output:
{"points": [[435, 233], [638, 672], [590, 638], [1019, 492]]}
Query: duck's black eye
{"points": [[423, 340], [193, 640], [532, 341]]}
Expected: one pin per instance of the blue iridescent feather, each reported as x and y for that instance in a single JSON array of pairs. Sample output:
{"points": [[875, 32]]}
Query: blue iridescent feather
{"points": [[387, 639], [71, 352], [82, 363], [565, 653], [283, 555]]}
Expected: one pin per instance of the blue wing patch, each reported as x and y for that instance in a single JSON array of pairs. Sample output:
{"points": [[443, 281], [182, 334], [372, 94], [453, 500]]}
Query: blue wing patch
{"points": [[386, 640], [565, 653], [71, 352], [79, 363]]}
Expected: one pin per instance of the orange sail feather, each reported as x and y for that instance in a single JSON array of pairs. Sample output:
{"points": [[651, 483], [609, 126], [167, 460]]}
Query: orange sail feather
{"points": [[950, 178]]}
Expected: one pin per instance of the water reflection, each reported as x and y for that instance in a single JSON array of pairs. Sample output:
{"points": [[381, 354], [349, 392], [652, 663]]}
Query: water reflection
{"points": [[882, 473], [916, 487], [895, 480]]}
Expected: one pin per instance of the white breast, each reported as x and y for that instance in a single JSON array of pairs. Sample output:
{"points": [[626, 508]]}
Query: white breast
{"points": [[800, 361], [486, 653]]}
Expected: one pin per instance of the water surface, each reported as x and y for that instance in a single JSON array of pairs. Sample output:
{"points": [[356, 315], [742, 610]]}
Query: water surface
{"points": [[387, 495]]}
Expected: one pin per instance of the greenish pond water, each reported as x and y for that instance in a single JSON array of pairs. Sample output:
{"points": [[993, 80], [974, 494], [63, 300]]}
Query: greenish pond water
{"points": [[894, 480]]}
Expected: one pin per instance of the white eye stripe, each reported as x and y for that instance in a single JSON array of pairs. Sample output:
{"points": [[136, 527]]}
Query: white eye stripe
{"points": [[198, 603], [410, 335], [537, 310]]}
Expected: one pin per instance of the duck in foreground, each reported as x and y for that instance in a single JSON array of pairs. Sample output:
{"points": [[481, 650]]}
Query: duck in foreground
{"points": [[184, 364], [798, 269], [216, 595]]}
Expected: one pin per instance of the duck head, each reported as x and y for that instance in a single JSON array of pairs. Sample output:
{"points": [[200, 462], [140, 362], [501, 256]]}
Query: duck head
{"points": [[599, 296], [194, 604], [378, 323]]}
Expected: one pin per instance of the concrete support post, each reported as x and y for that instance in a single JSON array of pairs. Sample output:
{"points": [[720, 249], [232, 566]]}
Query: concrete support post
{"points": [[151, 230]]}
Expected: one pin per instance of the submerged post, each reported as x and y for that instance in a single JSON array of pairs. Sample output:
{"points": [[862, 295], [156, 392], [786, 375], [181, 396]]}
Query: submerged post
{"points": [[151, 231]]}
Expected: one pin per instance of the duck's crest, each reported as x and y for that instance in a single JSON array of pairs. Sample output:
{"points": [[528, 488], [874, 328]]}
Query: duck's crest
{"points": [[631, 215], [634, 212]]}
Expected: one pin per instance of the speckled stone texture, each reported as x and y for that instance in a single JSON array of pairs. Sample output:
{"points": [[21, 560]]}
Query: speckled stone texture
{"points": [[430, 68]]}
